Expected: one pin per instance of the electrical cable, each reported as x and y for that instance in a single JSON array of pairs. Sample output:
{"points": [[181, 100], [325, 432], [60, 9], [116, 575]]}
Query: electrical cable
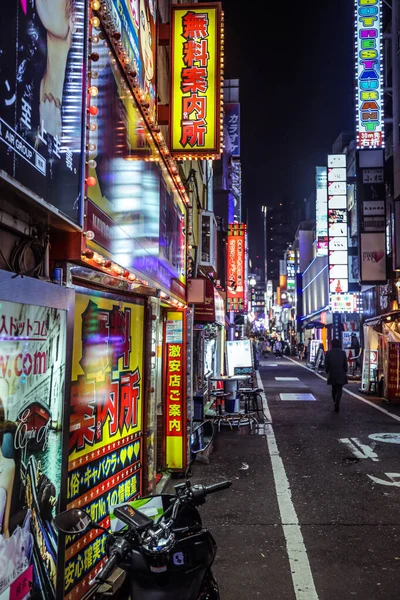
{"points": [[23, 251]]}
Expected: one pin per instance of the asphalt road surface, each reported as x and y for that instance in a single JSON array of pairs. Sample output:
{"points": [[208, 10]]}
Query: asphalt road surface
{"points": [[314, 509]]}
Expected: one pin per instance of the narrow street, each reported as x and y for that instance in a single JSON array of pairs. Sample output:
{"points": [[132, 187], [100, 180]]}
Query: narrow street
{"points": [[343, 474]]}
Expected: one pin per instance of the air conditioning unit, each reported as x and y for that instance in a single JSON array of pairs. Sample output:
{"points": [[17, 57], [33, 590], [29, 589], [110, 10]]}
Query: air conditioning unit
{"points": [[208, 241]]}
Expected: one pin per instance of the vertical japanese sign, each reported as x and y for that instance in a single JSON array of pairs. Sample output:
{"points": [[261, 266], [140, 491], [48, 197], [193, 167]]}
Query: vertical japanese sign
{"points": [[236, 283], [32, 379], [337, 224], [106, 411], [321, 177], [195, 119], [41, 99], [369, 74], [392, 376], [291, 270], [232, 126], [372, 207], [175, 406]]}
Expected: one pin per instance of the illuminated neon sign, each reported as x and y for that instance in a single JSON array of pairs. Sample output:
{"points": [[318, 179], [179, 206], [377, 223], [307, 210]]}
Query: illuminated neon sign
{"points": [[236, 267], [321, 177], [175, 409], [337, 225], [369, 74], [195, 128]]}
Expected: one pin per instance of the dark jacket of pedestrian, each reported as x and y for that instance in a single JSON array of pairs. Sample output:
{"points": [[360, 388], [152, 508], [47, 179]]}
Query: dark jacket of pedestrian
{"points": [[355, 345], [336, 366]]}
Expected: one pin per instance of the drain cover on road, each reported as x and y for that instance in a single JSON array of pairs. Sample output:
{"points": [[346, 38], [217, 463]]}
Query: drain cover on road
{"points": [[303, 397], [287, 378]]}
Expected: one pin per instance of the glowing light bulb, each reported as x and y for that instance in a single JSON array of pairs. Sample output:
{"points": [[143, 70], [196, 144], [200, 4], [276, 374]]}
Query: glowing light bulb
{"points": [[91, 181], [93, 91]]}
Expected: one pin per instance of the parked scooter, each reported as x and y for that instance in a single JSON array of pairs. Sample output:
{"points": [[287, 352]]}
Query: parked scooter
{"points": [[162, 551]]}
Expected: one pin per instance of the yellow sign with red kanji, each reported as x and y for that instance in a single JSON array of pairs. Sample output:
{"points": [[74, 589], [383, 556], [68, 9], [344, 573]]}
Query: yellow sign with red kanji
{"points": [[106, 423], [175, 406], [195, 127]]}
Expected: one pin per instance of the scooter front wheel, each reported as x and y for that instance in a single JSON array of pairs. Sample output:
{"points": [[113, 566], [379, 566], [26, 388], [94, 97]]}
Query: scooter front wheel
{"points": [[210, 590]]}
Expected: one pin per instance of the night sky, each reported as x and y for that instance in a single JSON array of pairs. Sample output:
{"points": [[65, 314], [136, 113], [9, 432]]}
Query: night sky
{"points": [[295, 65]]}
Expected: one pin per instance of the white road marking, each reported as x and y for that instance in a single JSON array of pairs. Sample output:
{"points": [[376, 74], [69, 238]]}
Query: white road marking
{"points": [[394, 477], [387, 438], [384, 411], [287, 379], [303, 582], [363, 451], [301, 397]]}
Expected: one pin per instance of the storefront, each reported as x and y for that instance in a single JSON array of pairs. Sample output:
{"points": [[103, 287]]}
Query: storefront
{"points": [[381, 357], [128, 271], [209, 336]]}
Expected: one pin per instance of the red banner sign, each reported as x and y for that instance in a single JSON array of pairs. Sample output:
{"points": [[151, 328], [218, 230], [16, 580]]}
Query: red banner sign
{"points": [[236, 267]]}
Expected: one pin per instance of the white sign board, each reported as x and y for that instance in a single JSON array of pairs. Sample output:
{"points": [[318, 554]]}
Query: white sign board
{"points": [[238, 354]]}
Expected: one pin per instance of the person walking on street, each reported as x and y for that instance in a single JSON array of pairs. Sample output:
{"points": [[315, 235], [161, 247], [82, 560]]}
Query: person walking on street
{"points": [[336, 367], [355, 345]]}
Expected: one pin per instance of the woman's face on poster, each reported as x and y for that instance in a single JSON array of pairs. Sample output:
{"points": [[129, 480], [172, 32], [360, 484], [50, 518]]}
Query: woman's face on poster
{"points": [[55, 16]]}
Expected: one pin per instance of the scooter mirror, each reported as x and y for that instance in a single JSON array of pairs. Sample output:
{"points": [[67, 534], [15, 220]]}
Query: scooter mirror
{"points": [[73, 521], [201, 437]]}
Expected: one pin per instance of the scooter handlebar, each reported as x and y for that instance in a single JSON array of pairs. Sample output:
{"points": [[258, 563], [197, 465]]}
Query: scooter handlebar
{"points": [[107, 569], [217, 487]]}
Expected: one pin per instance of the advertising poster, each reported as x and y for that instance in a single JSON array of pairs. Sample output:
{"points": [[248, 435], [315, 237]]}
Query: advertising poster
{"points": [[372, 226], [106, 412], [195, 81], [373, 257], [135, 21], [175, 411], [41, 68], [133, 211], [32, 378]]}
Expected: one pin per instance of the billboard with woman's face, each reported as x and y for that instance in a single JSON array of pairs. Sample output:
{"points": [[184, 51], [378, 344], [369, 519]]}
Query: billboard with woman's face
{"points": [[41, 95], [32, 379]]}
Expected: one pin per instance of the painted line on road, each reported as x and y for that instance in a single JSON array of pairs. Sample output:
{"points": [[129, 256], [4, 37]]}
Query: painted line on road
{"points": [[297, 397], [303, 582], [383, 410]]}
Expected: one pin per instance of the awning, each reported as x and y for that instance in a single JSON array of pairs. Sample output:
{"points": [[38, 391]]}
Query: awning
{"points": [[378, 320], [212, 310], [315, 325]]}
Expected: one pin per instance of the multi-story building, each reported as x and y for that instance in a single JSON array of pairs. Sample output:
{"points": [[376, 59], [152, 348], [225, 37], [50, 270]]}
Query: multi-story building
{"points": [[106, 214]]}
